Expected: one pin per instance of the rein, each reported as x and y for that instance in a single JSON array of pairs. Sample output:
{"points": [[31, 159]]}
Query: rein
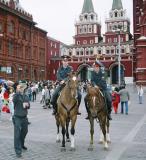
{"points": [[68, 111]]}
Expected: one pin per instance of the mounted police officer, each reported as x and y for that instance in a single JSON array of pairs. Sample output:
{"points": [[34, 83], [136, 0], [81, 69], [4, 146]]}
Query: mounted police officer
{"points": [[62, 77], [97, 79]]}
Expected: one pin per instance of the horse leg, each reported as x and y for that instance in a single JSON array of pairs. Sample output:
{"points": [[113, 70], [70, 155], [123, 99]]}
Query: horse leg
{"points": [[90, 148], [58, 136], [108, 135], [103, 128], [67, 133], [63, 121], [73, 121], [101, 138]]}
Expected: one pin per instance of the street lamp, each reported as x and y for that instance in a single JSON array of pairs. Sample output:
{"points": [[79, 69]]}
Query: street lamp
{"points": [[117, 29]]}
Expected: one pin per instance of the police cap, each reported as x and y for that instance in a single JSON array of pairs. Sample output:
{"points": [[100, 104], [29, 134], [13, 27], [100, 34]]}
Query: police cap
{"points": [[65, 57]]}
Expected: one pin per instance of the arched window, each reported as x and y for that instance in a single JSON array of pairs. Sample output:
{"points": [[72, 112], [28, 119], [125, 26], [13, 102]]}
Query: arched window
{"points": [[86, 17], [92, 17], [116, 14]]}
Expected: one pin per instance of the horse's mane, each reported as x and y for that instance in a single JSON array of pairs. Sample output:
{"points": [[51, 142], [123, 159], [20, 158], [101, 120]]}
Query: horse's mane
{"points": [[95, 92], [92, 91]]}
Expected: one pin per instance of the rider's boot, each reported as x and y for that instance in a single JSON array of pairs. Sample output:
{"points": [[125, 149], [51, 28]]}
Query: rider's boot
{"points": [[109, 111]]}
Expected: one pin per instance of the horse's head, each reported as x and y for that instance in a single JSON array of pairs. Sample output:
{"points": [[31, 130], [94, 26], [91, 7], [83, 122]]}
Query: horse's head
{"points": [[93, 100], [73, 83]]}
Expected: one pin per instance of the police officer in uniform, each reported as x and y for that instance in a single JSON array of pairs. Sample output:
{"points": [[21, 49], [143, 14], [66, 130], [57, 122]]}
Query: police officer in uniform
{"points": [[62, 77], [97, 79], [20, 121]]}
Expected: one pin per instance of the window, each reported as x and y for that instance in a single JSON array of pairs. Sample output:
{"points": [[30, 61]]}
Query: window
{"points": [[112, 51], [122, 50], [87, 52], [92, 17], [109, 40], [91, 51], [116, 14], [1, 27], [81, 53], [107, 51], [77, 53], [115, 39], [86, 17], [11, 27], [10, 48], [99, 51], [90, 29]]}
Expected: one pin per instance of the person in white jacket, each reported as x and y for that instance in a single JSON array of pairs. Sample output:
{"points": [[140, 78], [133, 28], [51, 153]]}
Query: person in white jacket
{"points": [[140, 94]]}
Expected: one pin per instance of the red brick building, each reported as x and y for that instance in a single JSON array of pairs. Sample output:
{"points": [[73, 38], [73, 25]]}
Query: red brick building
{"points": [[89, 44], [23, 46], [53, 57], [139, 14]]}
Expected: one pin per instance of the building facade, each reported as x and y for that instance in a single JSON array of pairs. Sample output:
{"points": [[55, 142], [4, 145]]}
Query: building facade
{"points": [[139, 14], [23, 46], [89, 45]]}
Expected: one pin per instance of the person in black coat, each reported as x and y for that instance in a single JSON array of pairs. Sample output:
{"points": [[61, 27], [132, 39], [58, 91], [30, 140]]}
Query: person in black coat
{"points": [[97, 80], [20, 121]]}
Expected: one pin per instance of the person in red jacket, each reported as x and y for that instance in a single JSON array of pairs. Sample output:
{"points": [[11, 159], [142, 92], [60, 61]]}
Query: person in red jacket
{"points": [[115, 100]]}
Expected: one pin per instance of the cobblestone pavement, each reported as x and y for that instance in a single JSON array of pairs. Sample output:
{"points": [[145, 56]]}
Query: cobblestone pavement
{"points": [[127, 136]]}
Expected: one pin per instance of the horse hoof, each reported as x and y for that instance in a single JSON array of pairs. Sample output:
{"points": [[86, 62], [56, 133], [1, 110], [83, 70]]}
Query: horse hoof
{"points": [[58, 141], [72, 149], [68, 140], [63, 149], [90, 148]]}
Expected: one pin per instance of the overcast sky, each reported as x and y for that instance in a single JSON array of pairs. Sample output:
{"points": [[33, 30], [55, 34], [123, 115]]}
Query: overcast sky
{"points": [[58, 17]]}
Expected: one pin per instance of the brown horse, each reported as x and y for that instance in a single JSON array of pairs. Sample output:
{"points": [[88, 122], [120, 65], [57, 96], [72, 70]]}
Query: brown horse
{"points": [[97, 109], [67, 110]]}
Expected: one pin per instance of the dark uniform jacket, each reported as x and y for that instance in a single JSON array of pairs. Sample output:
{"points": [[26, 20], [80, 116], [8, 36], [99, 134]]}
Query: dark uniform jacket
{"points": [[98, 79], [18, 100], [62, 73]]}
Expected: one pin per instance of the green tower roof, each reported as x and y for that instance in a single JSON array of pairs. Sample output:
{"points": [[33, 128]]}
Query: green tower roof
{"points": [[88, 6], [117, 4]]}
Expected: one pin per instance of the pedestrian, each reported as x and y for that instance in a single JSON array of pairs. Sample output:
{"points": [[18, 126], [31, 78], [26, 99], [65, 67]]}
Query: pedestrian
{"points": [[42, 100], [20, 121], [98, 80], [33, 88], [115, 99], [124, 98], [1, 102], [62, 77], [140, 94], [11, 104], [47, 98]]}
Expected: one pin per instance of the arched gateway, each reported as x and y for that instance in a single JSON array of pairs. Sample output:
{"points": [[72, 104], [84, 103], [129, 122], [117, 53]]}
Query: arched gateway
{"points": [[114, 73], [84, 73]]}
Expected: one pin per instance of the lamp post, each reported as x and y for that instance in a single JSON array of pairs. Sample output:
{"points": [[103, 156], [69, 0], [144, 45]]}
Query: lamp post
{"points": [[119, 59], [117, 29]]}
